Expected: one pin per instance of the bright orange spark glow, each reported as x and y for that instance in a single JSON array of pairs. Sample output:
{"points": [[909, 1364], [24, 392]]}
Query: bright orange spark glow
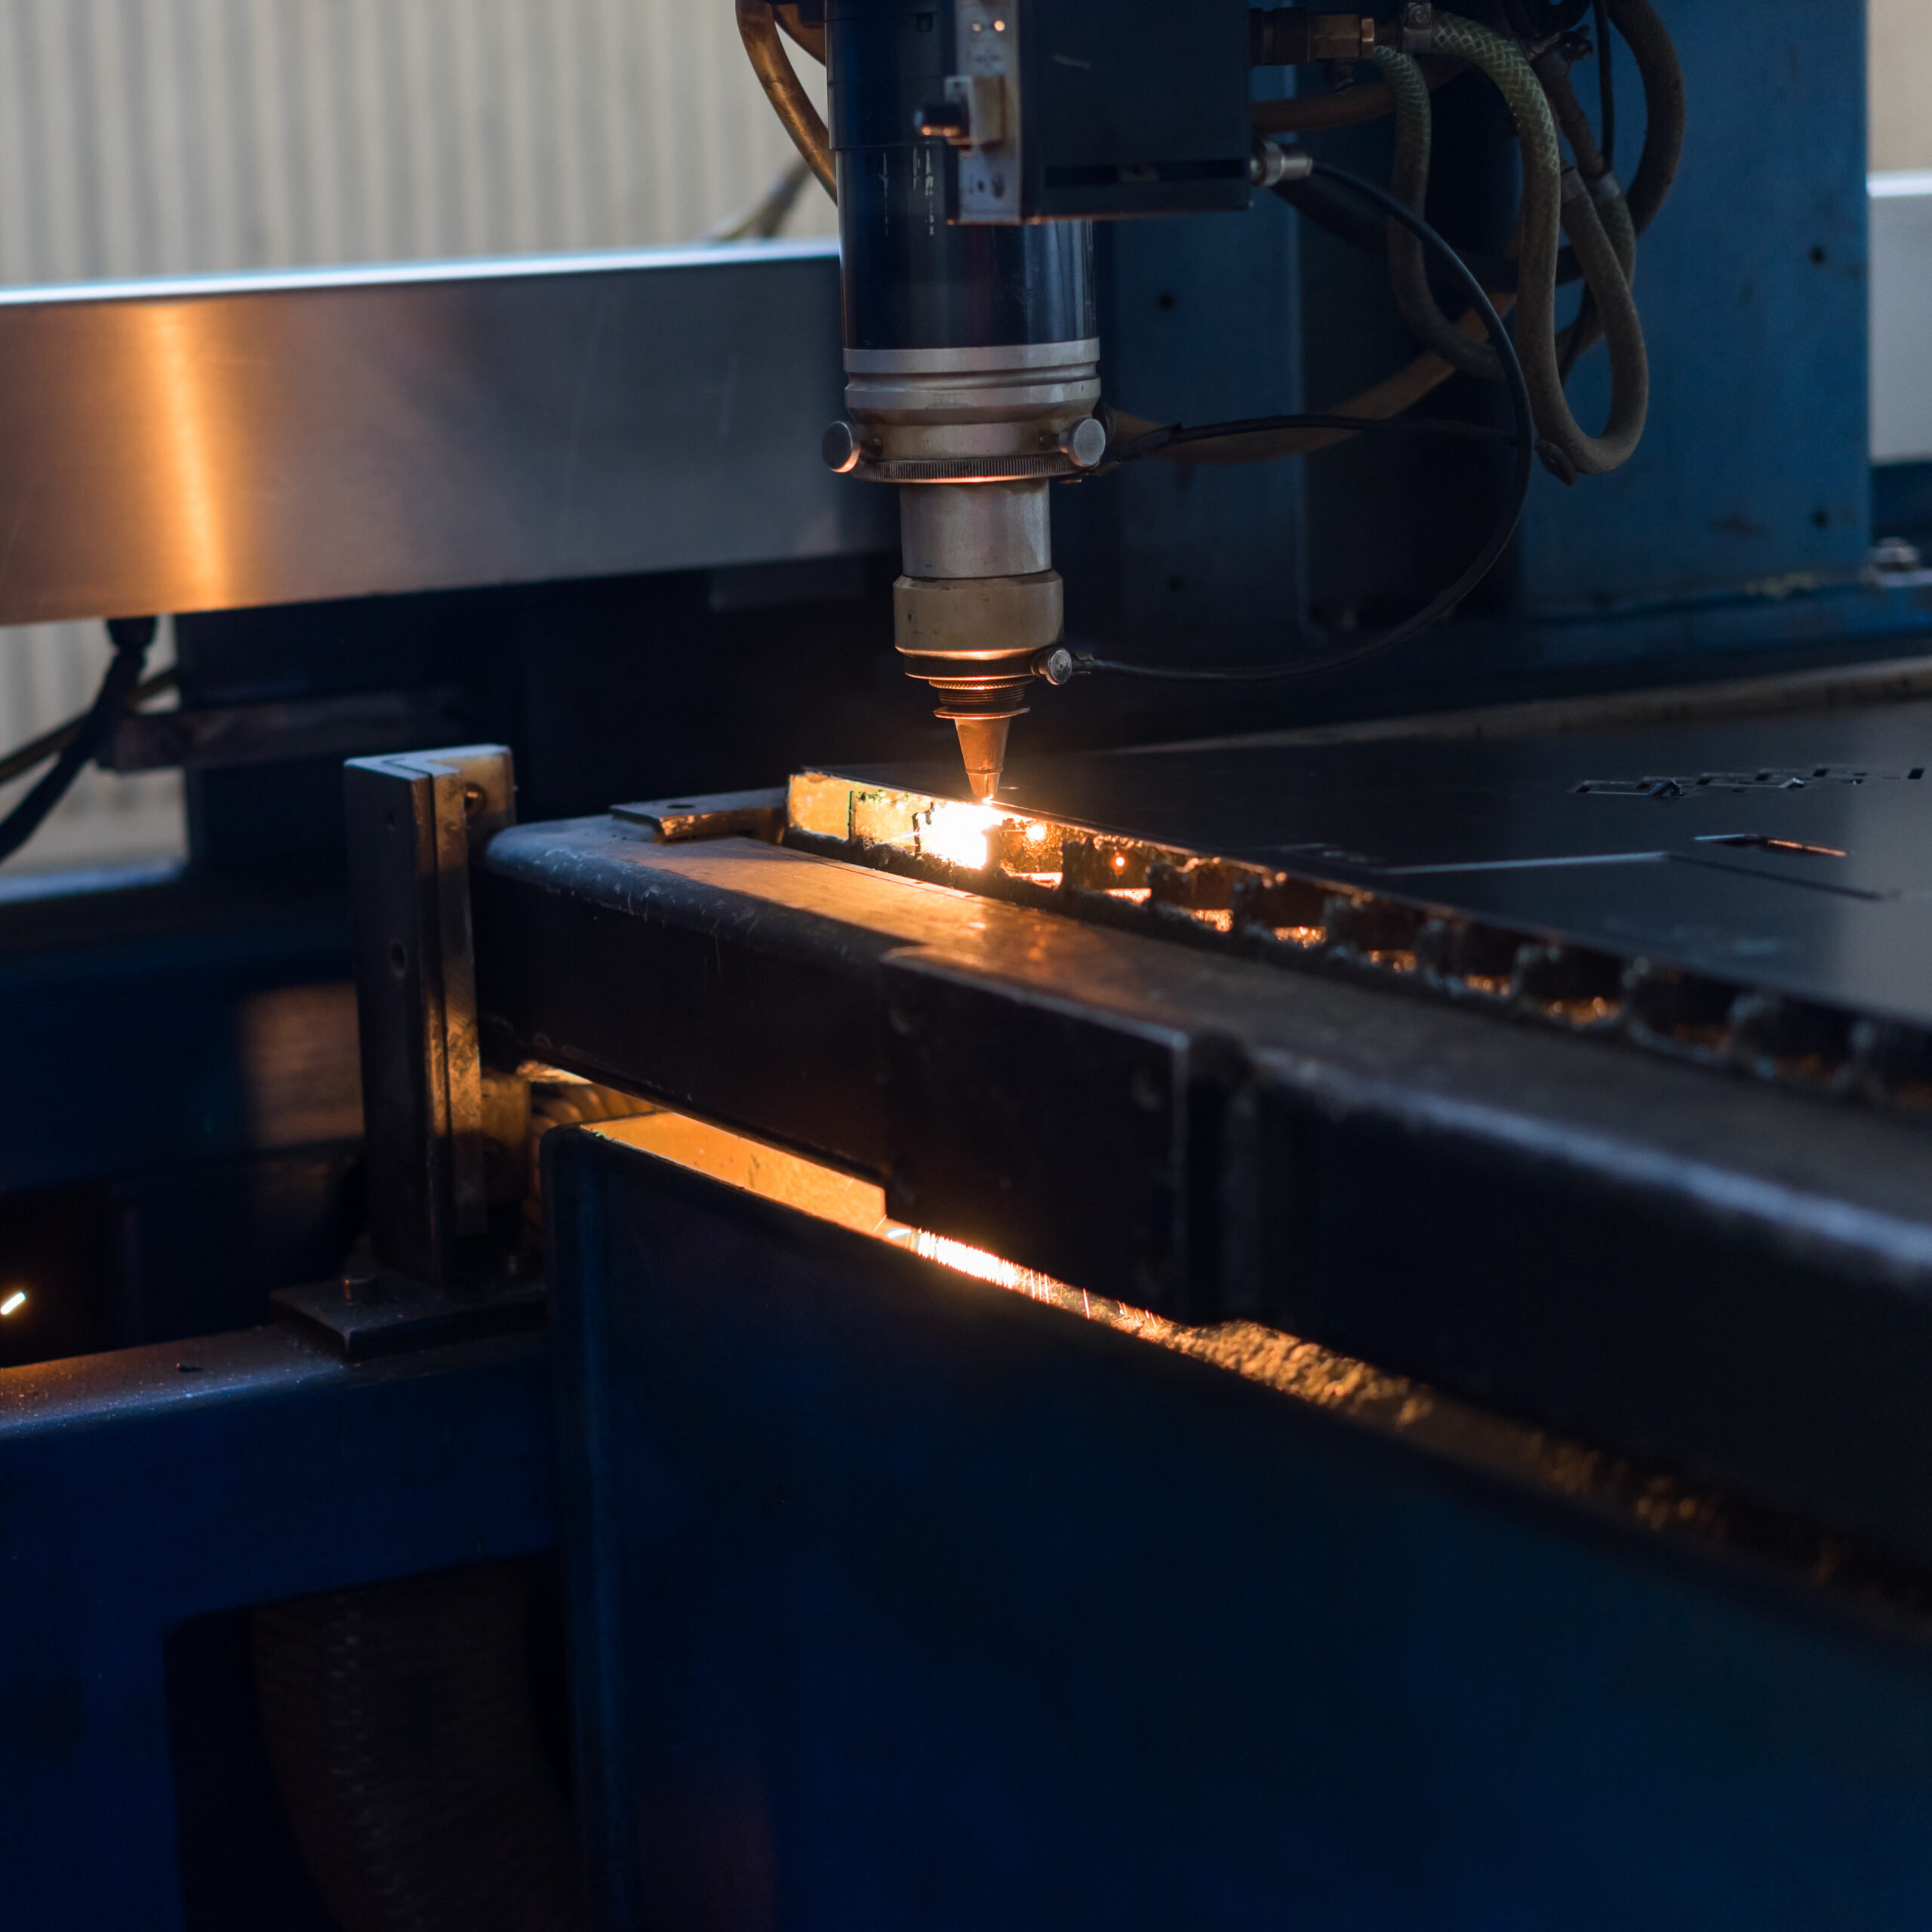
{"points": [[14, 1302], [957, 834], [982, 1266], [818, 1190], [1263, 1355]]}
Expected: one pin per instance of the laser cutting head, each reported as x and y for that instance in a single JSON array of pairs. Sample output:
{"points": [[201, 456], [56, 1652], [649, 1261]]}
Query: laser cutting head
{"points": [[972, 356], [979, 602], [973, 436], [971, 145]]}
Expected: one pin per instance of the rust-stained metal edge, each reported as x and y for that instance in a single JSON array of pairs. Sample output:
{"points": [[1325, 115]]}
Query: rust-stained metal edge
{"points": [[1299, 919], [1864, 1575], [715, 815]]}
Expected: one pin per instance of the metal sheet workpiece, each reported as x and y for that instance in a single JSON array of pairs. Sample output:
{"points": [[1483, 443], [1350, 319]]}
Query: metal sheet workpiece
{"points": [[1791, 854]]}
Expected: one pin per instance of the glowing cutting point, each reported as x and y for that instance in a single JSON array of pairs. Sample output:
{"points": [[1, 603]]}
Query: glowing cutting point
{"points": [[14, 1302], [957, 834]]}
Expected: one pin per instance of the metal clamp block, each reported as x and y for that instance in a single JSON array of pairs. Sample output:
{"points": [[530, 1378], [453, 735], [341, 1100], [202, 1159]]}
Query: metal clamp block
{"points": [[416, 819]]}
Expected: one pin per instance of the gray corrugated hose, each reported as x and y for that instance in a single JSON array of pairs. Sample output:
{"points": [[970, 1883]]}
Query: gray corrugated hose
{"points": [[1408, 270], [1556, 202]]}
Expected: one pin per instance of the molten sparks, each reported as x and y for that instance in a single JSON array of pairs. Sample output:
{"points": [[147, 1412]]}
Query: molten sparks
{"points": [[984, 1267], [957, 833]]}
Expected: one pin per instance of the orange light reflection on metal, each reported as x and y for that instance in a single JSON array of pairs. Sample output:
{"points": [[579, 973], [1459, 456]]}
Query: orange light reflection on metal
{"points": [[1246, 1348], [984, 1267], [187, 448], [821, 1191]]}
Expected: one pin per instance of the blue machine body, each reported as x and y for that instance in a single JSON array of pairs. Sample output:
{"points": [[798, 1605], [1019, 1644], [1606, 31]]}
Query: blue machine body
{"points": [[1739, 534], [145, 1490], [1103, 1636], [900, 1598]]}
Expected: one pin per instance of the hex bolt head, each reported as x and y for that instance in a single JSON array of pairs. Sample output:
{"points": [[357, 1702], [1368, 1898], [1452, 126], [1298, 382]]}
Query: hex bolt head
{"points": [[842, 447]]}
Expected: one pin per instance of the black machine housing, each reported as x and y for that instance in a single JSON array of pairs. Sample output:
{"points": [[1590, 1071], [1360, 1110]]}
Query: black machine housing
{"points": [[1095, 108]]}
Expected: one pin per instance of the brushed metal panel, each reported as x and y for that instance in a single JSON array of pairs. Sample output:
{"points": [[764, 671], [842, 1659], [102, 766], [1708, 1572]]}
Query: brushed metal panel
{"points": [[245, 440]]}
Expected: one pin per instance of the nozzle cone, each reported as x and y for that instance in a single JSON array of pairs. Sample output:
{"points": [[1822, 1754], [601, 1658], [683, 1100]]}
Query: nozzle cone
{"points": [[983, 745]]}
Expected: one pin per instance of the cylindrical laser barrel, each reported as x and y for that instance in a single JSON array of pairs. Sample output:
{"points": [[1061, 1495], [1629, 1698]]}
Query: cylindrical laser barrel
{"points": [[970, 353]]}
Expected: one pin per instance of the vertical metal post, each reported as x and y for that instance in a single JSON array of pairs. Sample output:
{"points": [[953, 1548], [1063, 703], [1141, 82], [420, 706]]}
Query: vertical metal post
{"points": [[415, 821]]}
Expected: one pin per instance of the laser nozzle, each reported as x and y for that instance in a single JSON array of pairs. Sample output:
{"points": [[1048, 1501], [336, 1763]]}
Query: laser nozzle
{"points": [[983, 746]]}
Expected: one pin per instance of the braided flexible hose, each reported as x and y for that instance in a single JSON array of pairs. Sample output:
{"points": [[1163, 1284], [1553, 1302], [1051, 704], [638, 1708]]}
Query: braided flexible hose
{"points": [[1408, 269], [1550, 210]]}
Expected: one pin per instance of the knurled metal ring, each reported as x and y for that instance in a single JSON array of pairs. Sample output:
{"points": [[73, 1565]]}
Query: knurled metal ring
{"points": [[967, 470]]}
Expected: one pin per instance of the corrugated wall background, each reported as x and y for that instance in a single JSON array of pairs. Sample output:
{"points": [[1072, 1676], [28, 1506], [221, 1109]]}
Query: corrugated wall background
{"points": [[143, 138], [1901, 69]]}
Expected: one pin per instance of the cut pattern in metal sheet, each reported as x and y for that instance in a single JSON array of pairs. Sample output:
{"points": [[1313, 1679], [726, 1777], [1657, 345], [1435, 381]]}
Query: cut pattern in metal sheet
{"points": [[1293, 915]]}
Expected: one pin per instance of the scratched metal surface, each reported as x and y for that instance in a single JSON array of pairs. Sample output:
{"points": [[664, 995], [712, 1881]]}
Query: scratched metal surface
{"points": [[213, 444], [1571, 835]]}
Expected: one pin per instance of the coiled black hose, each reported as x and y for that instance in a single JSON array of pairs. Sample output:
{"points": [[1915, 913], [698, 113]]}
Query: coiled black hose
{"points": [[133, 638]]}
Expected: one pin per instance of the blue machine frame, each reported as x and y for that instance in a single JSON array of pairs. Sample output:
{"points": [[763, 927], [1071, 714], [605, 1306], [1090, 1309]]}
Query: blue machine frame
{"points": [[1743, 525], [900, 1599], [148, 1487]]}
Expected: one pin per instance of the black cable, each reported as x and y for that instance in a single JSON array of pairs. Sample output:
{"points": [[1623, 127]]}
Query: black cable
{"points": [[1606, 86], [133, 638], [1172, 435], [1440, 605], [1607, 147], [1636, 23], [50, 744], [1538, 20], [1369, 236]]}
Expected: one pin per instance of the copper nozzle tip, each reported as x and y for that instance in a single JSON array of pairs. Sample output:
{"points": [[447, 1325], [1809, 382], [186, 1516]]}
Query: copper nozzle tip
{"points": [[983, 745]]}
